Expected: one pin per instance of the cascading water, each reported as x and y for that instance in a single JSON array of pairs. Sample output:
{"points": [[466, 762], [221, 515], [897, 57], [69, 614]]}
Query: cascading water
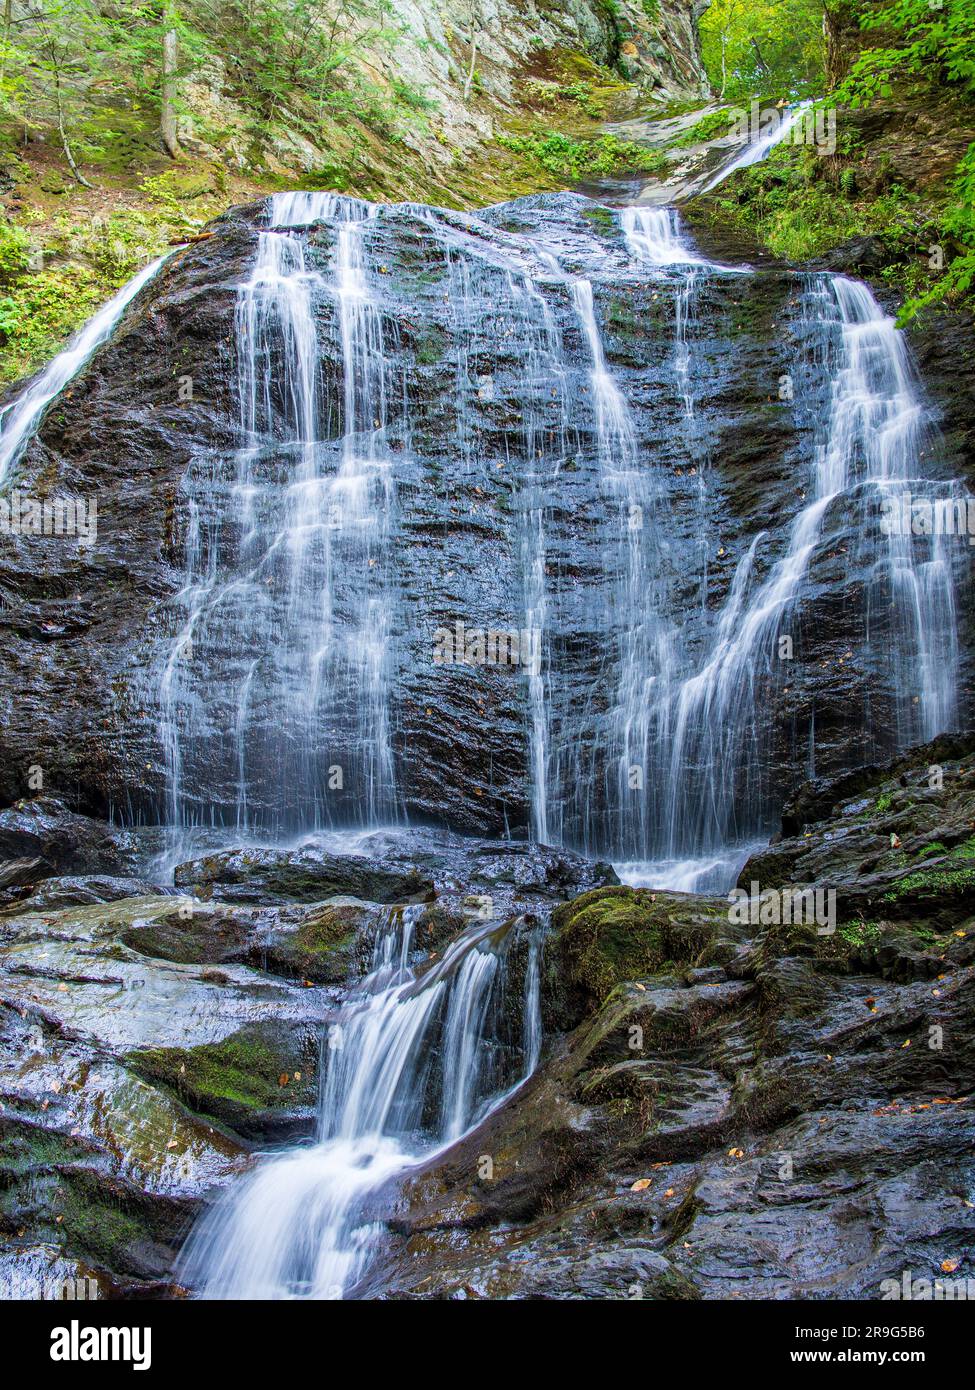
{"points": [[508, 293], [22, 416], [288, 583], [276, 691], [685, 745], [409, 1066], [778, 131], [706, 732]]}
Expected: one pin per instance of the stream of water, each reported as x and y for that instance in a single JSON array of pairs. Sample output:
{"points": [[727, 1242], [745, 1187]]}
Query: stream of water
{"points": [[409, 1065]]}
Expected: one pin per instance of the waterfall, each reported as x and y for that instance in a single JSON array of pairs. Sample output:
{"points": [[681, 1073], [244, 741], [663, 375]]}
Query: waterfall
{"points": [[22, 416], [757, 149], [287, 591], [654, 236], [410, 1065], [283, 669], [509, 291], [708, 736], [277, 691], [675, 783]]}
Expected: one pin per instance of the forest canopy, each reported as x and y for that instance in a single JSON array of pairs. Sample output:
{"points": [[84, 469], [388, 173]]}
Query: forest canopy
{"points": [[752, 46]]}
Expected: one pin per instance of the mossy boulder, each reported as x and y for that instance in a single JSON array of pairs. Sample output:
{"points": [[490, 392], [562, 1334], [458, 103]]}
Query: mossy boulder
{"points": [[325, 943], [263, 876], [190, 936], [52, 182], [331, 943], [261, 1080], [610, 935], [184, 187]]}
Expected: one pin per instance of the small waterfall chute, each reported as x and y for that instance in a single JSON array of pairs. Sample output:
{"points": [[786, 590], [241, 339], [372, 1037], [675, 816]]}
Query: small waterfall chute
{"points": [[20, 419], [307, 1223]]}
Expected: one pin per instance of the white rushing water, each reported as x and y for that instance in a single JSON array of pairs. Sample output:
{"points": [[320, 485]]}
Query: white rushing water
{"points": [[756, 150], [654, 235], [702, 734], [409, 1066], [20, 419], [288, 588]]}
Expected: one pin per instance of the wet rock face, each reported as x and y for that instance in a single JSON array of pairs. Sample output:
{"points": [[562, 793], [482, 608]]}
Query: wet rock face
{"points": [[74, 626], [787, 1116], [53, 839], [497, 460], [300, 876], [894, 843]]}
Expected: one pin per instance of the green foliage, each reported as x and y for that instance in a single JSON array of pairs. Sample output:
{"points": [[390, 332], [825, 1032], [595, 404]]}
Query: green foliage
{"points": [[44, 310], [93, 74], [860, 933], [958, 221], [942, 35], [567, 158], [714, 124], [751, 46], [797, 213], [84, 262], [14, 252], [930, 43]]}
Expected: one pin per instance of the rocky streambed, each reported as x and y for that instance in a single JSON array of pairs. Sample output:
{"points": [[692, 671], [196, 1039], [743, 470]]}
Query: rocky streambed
{"points": [[721, 1108]]}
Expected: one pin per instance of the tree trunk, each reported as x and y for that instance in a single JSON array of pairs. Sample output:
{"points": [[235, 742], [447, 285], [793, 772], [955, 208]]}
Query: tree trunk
{"points": [[168, 114], [843, 42], [64, 134]]}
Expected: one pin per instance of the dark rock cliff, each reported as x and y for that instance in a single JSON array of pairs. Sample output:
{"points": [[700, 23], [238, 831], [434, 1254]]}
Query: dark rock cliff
{"points": [[86, 630]]}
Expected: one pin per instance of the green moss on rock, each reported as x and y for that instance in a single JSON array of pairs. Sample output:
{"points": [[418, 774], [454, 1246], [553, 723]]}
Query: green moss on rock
{"points": [[248, 1080], [614, 934]]}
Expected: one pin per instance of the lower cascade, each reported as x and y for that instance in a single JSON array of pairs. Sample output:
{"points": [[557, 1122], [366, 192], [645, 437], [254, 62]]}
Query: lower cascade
{"points": [[411, 1064]]}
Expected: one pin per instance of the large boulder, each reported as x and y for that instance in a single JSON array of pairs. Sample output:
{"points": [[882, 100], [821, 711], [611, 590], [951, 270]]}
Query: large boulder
{"points": [[56, 840], [610, 935]]}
